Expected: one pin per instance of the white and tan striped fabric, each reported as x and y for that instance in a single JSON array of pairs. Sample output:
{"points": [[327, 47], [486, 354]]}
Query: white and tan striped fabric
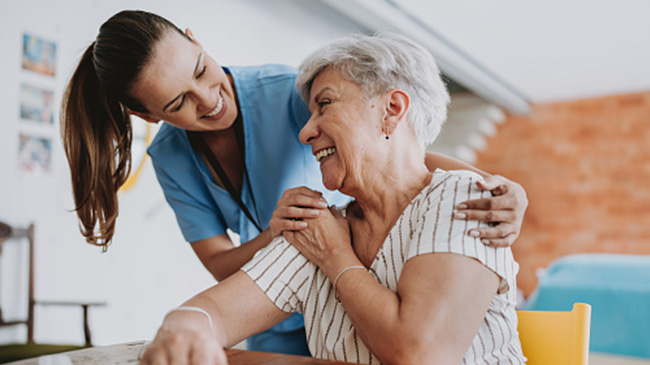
{"points": [[426, 226]]}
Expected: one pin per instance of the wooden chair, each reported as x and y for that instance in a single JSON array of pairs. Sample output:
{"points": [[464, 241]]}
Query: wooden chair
{"points": [[556, 338], [12, 352]]}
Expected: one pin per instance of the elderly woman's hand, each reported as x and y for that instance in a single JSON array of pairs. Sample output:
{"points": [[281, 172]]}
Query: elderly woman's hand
{"points": [[326, 238], [295, 205], [505, 210], [181, 341]]}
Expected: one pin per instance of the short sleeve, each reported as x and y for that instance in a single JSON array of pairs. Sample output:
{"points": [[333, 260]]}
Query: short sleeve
{"points": [[282, 273], [190, 200], [436, 231]]}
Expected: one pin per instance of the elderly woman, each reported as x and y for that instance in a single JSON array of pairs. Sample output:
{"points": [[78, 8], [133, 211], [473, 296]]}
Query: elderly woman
{"points": [[390, 278]]}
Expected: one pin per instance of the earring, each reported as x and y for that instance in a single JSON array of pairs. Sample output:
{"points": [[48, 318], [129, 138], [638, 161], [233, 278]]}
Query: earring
{"points": [[387, 132]]}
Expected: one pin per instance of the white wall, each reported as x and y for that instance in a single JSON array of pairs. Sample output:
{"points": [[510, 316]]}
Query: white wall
{"points": [[550, 50], [148, 268]]}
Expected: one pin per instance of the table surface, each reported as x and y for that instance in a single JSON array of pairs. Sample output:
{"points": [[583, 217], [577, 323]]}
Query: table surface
{"points": [[129, 353]]}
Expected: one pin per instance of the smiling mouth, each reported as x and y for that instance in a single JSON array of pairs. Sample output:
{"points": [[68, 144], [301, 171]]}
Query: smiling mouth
{"points": [[325, 152], [217, 109]]}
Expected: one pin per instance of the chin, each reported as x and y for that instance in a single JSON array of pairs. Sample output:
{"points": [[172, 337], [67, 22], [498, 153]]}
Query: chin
{"points": [[331, 184]]}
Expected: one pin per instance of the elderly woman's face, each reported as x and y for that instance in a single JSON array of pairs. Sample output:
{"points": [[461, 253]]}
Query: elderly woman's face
{"points": [[344, 128]]}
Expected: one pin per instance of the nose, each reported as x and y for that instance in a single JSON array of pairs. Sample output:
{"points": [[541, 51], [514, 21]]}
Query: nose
{"points": [[310, 131], [204, 97]]}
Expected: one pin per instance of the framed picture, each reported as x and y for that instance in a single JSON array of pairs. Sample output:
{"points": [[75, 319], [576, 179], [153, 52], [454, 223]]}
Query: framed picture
{"points": [[36, 104], [39, 55], [34, 153]]}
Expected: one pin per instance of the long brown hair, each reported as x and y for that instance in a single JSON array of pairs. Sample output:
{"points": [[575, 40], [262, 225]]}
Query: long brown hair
{"points": [[95, 121]]}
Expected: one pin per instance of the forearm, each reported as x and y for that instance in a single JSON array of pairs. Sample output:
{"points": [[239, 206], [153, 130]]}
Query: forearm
{"points": [[228, 262], [381, 327], [194, 321], [237, 307], [439, 161]]}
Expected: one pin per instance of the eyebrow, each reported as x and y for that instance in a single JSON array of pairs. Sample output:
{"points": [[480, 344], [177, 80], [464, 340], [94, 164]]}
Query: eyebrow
{"points": [[196, 67]]}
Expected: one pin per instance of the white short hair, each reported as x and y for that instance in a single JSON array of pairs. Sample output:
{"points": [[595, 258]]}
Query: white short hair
{"points": [[382, 62]]}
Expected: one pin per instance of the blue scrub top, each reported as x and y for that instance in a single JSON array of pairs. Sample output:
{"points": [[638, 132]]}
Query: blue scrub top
{"points": [[273, 114]]}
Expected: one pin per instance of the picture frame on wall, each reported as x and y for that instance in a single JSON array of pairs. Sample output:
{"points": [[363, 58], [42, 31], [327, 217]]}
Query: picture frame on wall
{"points": [[34, 153], [36, 104], [39, 55]]}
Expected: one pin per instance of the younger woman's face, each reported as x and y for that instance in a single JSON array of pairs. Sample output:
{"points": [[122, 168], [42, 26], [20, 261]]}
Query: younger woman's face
{"points": [[185, 87]]}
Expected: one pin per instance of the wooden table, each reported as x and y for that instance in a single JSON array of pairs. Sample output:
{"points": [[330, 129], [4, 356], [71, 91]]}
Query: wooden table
{"points": [[128, 353]]}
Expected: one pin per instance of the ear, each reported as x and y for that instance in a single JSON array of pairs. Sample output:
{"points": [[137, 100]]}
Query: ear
{"points": [[145, 116], [397, 103], [189, 33]]}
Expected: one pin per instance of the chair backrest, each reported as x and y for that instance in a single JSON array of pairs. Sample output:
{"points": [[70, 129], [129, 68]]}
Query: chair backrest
{"points": [[7, 232], [556, 337]]}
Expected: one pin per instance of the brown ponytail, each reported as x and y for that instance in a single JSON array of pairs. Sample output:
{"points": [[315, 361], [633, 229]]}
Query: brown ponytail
{"points": [[96, 131], [95, 121]]}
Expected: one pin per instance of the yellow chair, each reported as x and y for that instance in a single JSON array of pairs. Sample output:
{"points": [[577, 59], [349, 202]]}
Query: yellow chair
{"points": [[556, 338]]}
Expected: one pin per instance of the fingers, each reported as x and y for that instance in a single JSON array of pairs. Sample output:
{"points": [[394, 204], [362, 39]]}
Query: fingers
{"points": [[288, 218], [492, 203], [284, 225], [178, 350], [303, 196], [505, 209], [500, 186], [296, 213], [492, 182], [299, 199], [169, 351], [296, 205], [153, 356], [501, 235], [489, 216], [506, 241]]}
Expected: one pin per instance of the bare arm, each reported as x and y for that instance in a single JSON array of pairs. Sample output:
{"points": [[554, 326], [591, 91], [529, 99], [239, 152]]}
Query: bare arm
{"points": [[220, 256], [439, 161], [447, 314], [238, 308], [441, 298]]}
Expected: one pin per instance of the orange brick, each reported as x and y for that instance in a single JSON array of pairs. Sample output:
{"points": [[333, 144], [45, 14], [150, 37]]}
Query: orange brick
{"points": [[585, 165]]}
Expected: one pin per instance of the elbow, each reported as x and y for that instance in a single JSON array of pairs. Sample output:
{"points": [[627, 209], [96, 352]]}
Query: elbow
{"points": [[220, 269], [218, 276]]}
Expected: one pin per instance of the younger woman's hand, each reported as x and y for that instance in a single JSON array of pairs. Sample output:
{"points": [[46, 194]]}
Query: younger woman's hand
{"points": [[296, 205], [505, 210], [325, 240]]}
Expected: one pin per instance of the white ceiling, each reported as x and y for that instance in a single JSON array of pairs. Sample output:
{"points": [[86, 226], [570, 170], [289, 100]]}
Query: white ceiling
{"points": [[548, 50]]}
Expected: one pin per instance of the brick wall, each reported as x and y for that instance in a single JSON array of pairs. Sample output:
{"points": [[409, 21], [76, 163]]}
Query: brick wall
{"points": [[586, 168]]}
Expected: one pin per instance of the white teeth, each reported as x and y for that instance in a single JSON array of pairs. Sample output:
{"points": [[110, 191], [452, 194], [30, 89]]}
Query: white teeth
{"points": [[324, 153], [217, 109]]}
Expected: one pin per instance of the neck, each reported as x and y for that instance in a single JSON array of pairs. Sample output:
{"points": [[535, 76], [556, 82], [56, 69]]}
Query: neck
{"points": [[383, 198]]}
